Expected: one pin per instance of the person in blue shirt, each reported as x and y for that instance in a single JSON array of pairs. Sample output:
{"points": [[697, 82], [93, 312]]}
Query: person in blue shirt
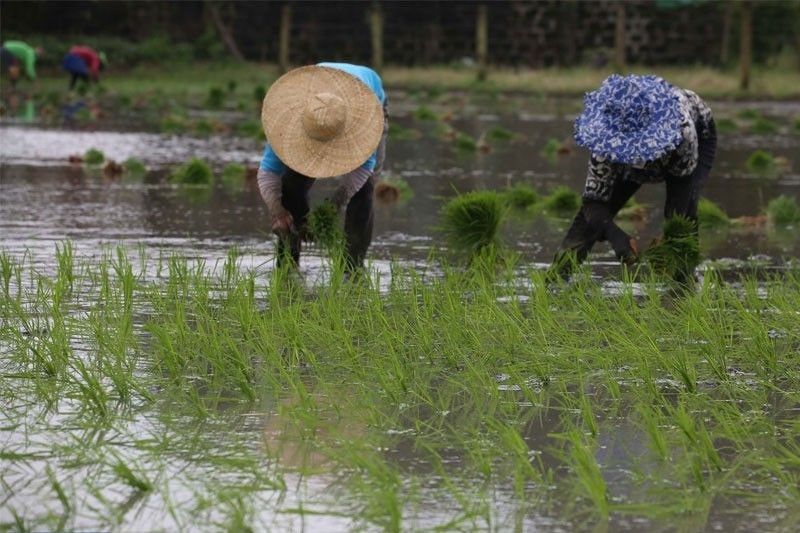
{"points": [[323, 121]]}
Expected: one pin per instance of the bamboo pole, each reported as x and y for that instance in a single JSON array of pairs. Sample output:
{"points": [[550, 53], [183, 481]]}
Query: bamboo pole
{"points": [[376, 32], [482, 41], [620, 37], [745, 45], [283, 42]]}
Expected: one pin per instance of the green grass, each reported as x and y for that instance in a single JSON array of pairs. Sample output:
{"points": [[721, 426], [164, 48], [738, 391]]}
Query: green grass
{"points": [[226, 385], [710, 215], [94, 157], [471, 222], [783, 210], [194, 172]]}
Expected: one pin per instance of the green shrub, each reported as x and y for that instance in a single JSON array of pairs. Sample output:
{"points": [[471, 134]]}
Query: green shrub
{"points": [[134, 168], [763, 126], [678, 253], [215, 98], [521, 196], [194, 172], [783, 210], [761, 162], [471, 221], [93, 157], [425, 113], [710, 215], [561, 200]]}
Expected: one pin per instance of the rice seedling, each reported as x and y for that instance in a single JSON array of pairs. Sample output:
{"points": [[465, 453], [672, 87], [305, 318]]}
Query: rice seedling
{"points": [[203, 127], [259, 92], [424, 113], [471, 222], [93, 157], [465, 142], [521, 196], [233, 175], [250, 128], [726, 125], [393, 189], [763, 126], [749, 114], [710, 215], [324, 227], [797, 125], [215, 98], [560, 202], [500, 134], [783, 210], [400, 133], [678, 253], [134, 168], [174, 123], [194, 172], [761, 162], [550, 149]]}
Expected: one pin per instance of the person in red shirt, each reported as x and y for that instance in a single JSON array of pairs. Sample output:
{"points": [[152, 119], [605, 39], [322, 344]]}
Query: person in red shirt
{"points": [[84, 63]]}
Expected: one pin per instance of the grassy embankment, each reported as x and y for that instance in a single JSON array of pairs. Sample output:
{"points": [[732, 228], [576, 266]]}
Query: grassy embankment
{"points": [[188, 398]]}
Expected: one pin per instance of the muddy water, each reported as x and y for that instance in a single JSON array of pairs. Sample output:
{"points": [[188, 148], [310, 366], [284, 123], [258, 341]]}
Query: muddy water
{"points": [[44, 200]]}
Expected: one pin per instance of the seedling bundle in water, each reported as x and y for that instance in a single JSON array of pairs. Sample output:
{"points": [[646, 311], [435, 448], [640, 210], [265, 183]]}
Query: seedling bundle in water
{"points": [[471, 222], [94, 157], [561, 201], [195, 172], [324, 227], [710, 215], [521, 196], [783, 210], [678, 253]]}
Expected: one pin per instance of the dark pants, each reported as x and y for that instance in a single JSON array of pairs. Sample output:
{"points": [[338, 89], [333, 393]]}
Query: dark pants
{"points": [[8, 60], [358, 220], [595, 220], [77, 76]]}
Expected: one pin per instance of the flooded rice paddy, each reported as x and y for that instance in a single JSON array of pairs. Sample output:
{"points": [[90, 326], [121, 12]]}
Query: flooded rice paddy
{"points": [[158, 376]]}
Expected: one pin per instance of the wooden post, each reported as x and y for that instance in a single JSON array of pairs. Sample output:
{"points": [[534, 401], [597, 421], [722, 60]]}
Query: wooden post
{"points": [[376, 31], [745, 45], [482, 41], [285, 30], [620, 37]]}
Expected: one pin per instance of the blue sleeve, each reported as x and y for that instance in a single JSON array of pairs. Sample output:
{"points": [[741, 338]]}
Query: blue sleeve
{"points": [[270, 161]]}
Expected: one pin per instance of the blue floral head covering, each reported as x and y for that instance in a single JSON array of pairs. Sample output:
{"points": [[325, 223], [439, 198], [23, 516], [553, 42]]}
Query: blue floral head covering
{"points": [[631, 119]]}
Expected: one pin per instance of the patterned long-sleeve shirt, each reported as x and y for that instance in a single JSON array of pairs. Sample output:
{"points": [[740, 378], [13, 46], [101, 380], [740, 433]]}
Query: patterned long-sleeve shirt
{"points": [[603, 175]]}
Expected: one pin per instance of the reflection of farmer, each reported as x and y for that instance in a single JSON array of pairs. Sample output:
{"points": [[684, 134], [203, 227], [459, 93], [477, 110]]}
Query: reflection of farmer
{"points": [[640, 129], [323, 121], [17, 57], [84, 63]]}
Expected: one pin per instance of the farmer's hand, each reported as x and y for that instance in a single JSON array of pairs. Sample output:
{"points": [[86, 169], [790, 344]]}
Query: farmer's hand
{"points": [[283, 224], [625, 247]]}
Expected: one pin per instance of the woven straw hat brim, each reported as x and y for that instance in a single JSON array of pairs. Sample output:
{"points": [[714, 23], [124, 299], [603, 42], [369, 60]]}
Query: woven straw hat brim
{"points": [[282, 112]]}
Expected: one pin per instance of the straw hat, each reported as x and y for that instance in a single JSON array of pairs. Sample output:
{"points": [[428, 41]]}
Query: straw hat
{"points": [[322, 122]]}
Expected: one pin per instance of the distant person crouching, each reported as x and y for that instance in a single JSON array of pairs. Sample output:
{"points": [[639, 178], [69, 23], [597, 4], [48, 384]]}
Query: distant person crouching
{"points": [[17, 57], [83, 63], [323, 121]]}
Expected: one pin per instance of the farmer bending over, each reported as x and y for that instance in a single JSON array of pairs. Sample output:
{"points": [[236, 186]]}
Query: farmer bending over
{"points": [[84, 63], [15, 55], [323, 121], [640, 129]]}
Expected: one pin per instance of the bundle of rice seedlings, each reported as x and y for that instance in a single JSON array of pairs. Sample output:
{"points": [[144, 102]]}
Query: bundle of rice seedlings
{"points": [[783, 210], [500, 134], [726, 125], [465, 142], [324, 228], [93, 157], [471, 222], [551, 148], [561, 200], [763, 126], [761, 162], [797, 125], [403, 134], [390, 190], [134, 168], [425, 113], [194, 172], [215, 98], [233, 175], [521, 196], [710, 215], [678, 253]]}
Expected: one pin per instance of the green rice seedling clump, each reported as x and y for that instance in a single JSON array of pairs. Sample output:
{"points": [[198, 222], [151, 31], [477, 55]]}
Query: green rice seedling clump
{"points": [[403, 134], [471, 222], [763, 126], [250, 128], [215, 98], [710, 215], [551, 148], [797, 125], [783, 210], [259, 93], [194, 172], [465, 142], [521, 196], [93, 157], [678, 253], [761, 162], [425, 113], [324, 226], [401, 189], [134, 168], [561, 200], [749, 114], [500, 134], [726, 125], [233, 174]]}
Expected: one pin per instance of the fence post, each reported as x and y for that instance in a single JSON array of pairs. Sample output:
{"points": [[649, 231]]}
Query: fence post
{"points": [[745, 45], [620, 37], [283, 42], [376, 32], [482, 41]]}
